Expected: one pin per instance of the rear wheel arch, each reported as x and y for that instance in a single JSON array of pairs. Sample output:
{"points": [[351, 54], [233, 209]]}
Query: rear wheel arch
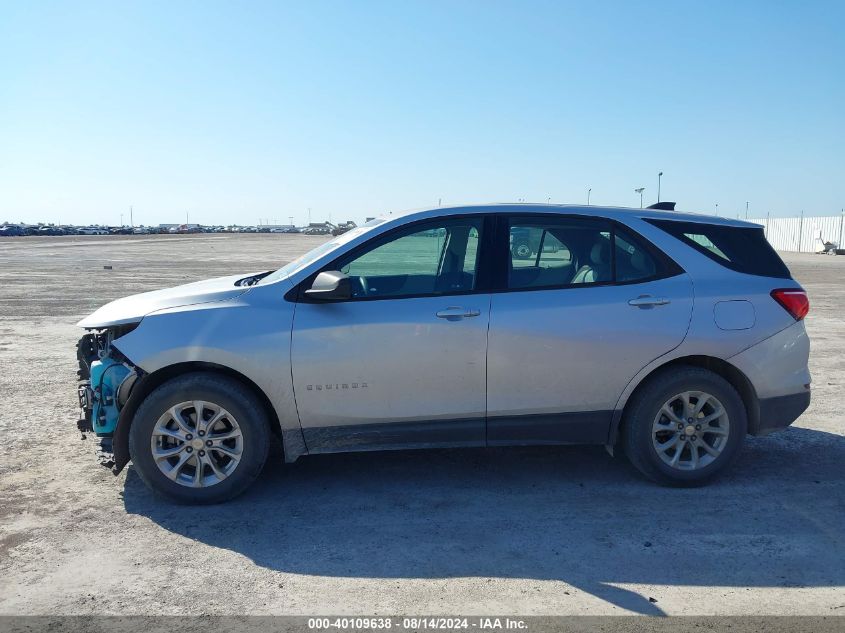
{"points": [[737, 379], [157, 378]]}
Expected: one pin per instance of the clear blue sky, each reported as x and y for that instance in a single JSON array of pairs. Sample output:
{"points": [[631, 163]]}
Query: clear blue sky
{"points": [[239, 111]]}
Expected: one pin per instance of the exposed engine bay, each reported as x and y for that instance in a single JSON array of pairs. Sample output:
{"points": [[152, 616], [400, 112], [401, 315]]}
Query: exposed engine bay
{"points": [[106, 379]]}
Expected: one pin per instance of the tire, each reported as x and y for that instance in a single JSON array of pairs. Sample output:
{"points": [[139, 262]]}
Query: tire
{"points": [[647, 425], [227, 468], [86, 353], [521, 250]]}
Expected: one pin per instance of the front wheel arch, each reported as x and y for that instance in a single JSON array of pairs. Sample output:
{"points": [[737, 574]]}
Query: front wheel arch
{"points": [[149, 382], [237, 433]]}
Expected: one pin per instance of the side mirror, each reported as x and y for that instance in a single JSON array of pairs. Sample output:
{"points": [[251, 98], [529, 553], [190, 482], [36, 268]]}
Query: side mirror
{"points": [[330, 285]]}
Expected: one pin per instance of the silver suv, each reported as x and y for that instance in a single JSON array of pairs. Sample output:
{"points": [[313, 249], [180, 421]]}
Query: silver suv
{"points": [[669, 336]]}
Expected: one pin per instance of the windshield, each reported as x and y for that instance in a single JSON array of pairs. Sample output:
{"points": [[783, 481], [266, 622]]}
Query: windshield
{"points": [[316, 253]]}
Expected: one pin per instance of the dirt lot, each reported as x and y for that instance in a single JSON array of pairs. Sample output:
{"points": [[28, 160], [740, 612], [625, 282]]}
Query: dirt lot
{"points": [[524, 531]]}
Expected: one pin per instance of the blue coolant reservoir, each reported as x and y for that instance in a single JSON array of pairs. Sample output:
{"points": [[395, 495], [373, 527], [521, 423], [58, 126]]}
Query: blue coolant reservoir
{"points": [[106, 376]]}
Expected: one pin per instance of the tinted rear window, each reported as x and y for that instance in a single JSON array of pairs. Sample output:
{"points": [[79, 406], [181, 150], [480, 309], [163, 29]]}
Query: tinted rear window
{"points": [[744, 250]]}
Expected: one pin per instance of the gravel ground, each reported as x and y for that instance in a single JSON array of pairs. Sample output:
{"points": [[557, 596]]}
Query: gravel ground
{"points": [[525, 531]]}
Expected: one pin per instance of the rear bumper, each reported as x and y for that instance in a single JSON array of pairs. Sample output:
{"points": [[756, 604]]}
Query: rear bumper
{"points": [[779, 412]]}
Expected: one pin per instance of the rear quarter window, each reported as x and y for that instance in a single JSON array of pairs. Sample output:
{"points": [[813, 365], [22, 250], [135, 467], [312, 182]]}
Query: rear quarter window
{"points": [[744, 250]]}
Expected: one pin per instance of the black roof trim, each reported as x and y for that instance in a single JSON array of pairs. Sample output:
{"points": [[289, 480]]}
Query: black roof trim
{"points": [[662, 206]]}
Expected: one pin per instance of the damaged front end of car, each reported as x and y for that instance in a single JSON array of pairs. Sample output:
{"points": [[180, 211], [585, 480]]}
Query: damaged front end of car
{"points": [[111, 385], [106, 380]]}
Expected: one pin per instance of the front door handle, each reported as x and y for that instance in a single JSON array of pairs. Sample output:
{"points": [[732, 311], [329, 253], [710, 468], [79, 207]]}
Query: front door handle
{"points": [[647, 301], [454, 313]]}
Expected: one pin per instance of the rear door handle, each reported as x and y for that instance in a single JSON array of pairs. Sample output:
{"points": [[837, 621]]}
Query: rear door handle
{"points": [[647, 301], [453, 313]]}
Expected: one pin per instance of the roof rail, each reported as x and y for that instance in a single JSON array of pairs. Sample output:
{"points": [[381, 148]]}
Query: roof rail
{"points": [[662, 206]]}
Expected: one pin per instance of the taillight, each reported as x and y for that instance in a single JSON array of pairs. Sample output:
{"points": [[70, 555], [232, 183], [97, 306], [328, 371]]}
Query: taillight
{"points": [[793, 301]]}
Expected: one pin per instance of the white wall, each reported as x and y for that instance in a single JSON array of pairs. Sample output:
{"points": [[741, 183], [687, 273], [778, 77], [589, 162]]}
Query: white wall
{"points": [[797, 234]]}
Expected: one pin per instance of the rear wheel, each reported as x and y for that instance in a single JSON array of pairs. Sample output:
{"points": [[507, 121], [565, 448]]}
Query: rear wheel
{"points": [[199, 438], [684, 427]]}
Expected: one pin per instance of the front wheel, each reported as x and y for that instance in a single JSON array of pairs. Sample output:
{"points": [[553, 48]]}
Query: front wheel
{"points": [[684, 427], [199, 438]]}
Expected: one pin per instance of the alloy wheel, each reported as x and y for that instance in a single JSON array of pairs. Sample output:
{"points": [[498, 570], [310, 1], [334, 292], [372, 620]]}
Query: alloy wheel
{"points": [[197, 444], [691, 430]]}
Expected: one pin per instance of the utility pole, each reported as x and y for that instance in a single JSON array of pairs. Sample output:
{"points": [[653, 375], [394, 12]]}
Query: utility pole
{"points": [[659, 176], [800, 230], [640, 190]]}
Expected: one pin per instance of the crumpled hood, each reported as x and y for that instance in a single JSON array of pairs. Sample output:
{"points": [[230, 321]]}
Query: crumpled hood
{"points": [[135, 307]]}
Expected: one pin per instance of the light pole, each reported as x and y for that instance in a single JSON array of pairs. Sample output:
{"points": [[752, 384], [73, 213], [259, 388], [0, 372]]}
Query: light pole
{"points": [[746, 210], [640, 191], [716, 212], [659, 176], [589, 191]]}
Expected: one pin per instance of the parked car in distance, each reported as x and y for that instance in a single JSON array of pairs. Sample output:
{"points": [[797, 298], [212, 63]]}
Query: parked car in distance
{"points": [[316, 230], [92, 230], [525, 242], [664, 336], [49, 230]]}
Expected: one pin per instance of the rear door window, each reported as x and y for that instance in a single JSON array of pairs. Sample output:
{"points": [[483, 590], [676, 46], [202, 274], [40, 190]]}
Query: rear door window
{"points": [[552, 252], [633, 262]]}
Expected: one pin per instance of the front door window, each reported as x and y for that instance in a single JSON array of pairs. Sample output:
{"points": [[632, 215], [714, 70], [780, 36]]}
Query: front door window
{"points": [[425, 260]]}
